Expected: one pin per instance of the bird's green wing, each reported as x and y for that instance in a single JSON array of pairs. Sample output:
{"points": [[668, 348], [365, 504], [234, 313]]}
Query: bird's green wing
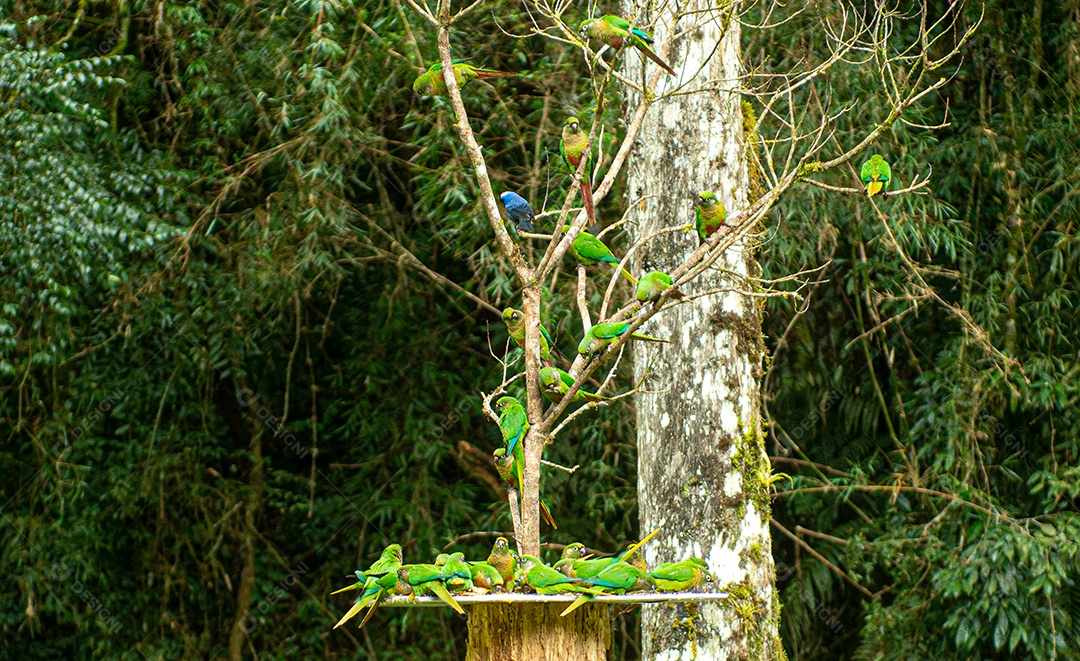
{"points": [[617, 22]]}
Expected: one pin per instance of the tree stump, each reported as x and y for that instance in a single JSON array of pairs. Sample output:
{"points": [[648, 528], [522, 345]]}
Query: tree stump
{"points": [[535, 632]]}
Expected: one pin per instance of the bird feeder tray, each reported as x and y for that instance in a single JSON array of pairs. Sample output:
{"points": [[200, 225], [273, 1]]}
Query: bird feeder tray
{"points": [[402, 601]]}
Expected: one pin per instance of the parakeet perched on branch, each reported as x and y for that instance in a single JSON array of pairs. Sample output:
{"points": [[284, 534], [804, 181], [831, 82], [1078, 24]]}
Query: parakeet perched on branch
{"points": [[509, 469], [615, 32], [588, 250], [515, 324], [514, 424], [554, 383], [518, 210], [709, 216], [875, 173], [607, 333], [652, 284], [573, 147], [431, 83]]}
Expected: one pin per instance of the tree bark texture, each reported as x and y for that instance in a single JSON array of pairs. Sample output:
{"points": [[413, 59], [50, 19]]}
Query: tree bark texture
{"points": [[702, 467], [535, 632]]}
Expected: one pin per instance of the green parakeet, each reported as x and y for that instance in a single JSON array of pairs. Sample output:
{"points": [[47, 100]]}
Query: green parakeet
{"points": [[429, 579], [503, 560], [460, 573], [875, 173], [574, 551], [374, 591], [431, 83], [545, 580], [615, 578], [573, 147], [515, 325], [485, 576], [607, 333], [615, 32], [555, 383], [508, 470], [583, 567], [652, 284], [680, 576], [709, 215], [389, 561], [514, 424], [589, 250]]}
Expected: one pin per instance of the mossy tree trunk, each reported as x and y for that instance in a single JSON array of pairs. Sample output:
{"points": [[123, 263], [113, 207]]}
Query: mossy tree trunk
{"points": [[702, 466], [536, 632]]}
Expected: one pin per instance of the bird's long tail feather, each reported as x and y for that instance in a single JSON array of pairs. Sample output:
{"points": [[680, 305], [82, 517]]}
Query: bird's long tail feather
{"points": [[626, 274], [633, 548], [545, 513], [642, 336], [358, 606], [576, 605], [648, 52], [371, 611], [873, 188], [586, 198], [442, 593], [491, 73]]}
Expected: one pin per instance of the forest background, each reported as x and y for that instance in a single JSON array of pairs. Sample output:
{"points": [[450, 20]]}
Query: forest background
{"points": [[225, 365]]}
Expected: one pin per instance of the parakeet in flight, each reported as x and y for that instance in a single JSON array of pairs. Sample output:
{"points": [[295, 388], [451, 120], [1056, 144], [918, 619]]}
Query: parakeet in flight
{"points": [[875, 174], [515, 324], [588, 250], [709, 215], [680, 576], [573, 147], [431, 83], [518, 210], [554, 383], [652, 284], [615, 32], [607, 333]]}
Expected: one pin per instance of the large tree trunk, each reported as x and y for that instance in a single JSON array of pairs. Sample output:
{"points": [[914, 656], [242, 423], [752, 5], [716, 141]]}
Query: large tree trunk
{"points": [[536, 632], [702, 466]]}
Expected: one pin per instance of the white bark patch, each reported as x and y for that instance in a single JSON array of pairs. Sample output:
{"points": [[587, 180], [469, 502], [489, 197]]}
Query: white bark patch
{"points": [[695, 434]]}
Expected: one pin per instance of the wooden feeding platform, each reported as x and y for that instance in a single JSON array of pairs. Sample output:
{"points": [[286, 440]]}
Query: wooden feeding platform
{"points": [[529, 627], [402, 601]]}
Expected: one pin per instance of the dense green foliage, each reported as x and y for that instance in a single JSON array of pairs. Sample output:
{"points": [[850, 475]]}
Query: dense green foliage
{"points": [[217, 353]]}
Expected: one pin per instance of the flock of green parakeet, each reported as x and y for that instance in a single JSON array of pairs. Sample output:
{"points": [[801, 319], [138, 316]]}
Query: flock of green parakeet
{"points": [[576, 572]]}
